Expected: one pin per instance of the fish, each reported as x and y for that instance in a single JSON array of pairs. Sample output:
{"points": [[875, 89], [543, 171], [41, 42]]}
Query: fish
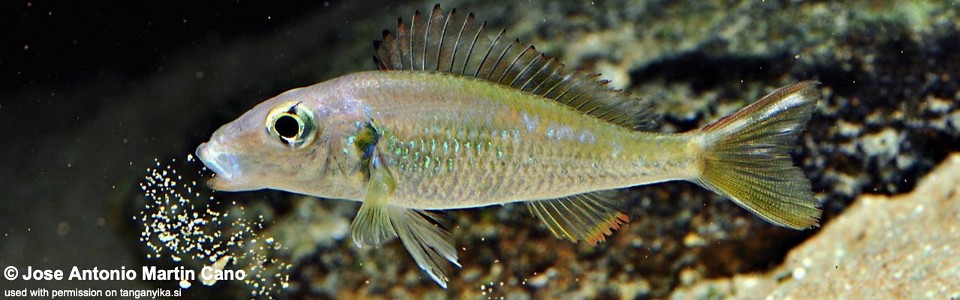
{"points": [[454, 118]]}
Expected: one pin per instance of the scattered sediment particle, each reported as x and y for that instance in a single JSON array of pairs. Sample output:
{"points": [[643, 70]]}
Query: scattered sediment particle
{"points": [[217, 266], [181, 223]]}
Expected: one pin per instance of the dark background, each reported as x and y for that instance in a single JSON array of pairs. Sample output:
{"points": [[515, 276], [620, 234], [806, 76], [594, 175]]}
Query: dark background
{"points": [[92, 93]]}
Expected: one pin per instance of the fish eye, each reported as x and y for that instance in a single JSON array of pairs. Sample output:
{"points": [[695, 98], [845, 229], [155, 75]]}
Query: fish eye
{"points": [[291, 125], [288, 126]]}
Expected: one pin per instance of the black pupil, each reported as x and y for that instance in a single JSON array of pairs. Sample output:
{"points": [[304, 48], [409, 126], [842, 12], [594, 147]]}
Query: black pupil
{"points": [[287, 126]]}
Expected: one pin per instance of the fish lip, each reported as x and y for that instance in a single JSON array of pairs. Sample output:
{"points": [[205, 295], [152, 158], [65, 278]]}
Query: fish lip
{"points": [[223, 164]]}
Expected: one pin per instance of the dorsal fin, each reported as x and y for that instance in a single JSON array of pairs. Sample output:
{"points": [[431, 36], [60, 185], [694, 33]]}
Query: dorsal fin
{"points": [[444, 43]]}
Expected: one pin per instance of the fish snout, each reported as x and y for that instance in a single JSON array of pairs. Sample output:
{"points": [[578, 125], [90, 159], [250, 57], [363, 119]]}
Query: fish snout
{"points": [[222, 162]]}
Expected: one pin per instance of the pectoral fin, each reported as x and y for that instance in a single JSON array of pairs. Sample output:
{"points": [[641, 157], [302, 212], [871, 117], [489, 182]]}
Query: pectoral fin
{"points": [[586, 217], [377, 222], [372, 225]]}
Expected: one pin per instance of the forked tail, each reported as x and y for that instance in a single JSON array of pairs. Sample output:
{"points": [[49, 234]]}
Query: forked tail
{"points": [[747, 157]]}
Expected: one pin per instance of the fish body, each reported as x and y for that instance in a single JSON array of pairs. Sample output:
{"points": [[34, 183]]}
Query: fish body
{"points": [[458, 142], [456, 120]]}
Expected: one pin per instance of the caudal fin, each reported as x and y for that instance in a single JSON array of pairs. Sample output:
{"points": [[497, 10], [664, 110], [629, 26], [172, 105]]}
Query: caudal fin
{"points": [[747, 157]]}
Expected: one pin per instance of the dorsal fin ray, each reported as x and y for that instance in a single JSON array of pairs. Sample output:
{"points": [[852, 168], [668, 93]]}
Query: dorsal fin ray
{"points": [[447, 44]]}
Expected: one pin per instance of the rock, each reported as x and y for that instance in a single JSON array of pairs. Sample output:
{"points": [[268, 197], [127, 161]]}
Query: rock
{"points": [[882, 247]]}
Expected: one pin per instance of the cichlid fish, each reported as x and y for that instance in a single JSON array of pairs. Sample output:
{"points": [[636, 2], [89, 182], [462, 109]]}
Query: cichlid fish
{"points": [[454, 119]]}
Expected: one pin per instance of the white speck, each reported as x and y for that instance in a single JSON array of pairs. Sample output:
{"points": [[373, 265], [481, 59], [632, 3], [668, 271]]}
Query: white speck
{"points": [[807, 262], [184, 284], [217, 266], [799, 273]]}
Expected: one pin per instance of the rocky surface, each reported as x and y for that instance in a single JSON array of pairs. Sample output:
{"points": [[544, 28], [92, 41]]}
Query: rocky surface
{"points": [[881, 247], [75, 148]]}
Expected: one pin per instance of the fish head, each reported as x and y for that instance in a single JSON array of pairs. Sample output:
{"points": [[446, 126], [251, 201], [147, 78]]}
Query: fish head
{"points": [[278, 144]]}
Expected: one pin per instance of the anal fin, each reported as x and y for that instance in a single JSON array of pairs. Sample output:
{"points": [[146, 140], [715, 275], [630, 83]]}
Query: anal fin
{"points": [[585, 217], [377, 221]]}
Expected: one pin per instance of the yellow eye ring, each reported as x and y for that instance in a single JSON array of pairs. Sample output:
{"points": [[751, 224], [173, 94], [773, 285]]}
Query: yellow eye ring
{"points": [[291, 124]]}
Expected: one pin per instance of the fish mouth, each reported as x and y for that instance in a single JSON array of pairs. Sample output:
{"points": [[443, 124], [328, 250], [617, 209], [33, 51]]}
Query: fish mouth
{"points": [[224, 164]]}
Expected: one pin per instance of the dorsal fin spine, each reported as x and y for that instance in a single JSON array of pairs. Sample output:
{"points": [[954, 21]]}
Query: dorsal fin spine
{"points": [[526, 68], [402, 37], [426, 41], [534, 75], [510, 67], [436, 16], [500, 60], [456, 44], [487, 54], [413, 30], [553, 72], [582, 103], [443, 36], [555, 85], [569, 87], [473, 44]]}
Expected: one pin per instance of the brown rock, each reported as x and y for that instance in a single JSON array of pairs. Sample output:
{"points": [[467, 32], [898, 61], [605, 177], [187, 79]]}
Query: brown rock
{"points": [[900, 247]]}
